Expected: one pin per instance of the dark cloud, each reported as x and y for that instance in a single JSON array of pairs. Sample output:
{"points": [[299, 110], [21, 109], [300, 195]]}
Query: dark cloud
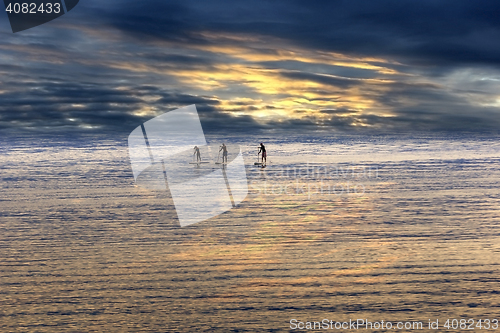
{"points": [[87, 105], [321, 78], [185, 99], [224, 123], [84, 70], [426, 32], [338, 111], [341, 71]]}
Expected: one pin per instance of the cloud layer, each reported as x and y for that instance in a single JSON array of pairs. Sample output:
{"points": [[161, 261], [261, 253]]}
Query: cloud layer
{"points": [[292, 65]]}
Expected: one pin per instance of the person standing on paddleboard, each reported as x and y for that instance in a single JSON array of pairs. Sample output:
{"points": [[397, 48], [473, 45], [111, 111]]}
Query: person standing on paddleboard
{"points": [[197, 153], [223, 148], [262, 149]]}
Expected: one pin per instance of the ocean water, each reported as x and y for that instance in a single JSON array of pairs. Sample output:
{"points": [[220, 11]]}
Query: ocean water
{"points": [[337, 227]]}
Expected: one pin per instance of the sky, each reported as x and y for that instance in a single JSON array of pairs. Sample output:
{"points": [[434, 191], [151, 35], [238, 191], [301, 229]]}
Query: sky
{"points": [[339, 66]]}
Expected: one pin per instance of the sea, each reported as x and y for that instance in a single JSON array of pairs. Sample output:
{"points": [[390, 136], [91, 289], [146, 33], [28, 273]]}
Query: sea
{"points": [[336, 229]]}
